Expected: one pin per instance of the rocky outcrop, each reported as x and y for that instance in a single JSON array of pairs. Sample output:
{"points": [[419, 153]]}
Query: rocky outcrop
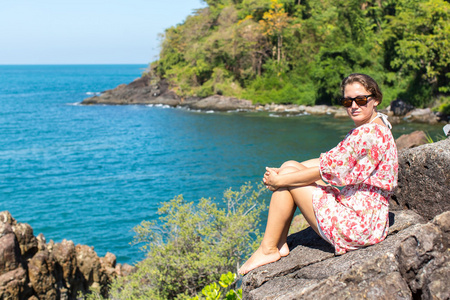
{"points": [[413, 262], [424, 179], [31, 268], [140, 91]]}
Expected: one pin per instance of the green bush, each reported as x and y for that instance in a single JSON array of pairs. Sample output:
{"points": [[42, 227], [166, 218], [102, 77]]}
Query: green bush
{"points": [[445, 106], [191, 245], [216, 292]]}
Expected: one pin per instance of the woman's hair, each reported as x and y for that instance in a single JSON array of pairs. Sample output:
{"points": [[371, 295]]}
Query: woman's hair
{"points": [[366, 81]]}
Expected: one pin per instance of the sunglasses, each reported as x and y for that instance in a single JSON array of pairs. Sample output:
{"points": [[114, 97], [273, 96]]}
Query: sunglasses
{"points": [[360, 100]]}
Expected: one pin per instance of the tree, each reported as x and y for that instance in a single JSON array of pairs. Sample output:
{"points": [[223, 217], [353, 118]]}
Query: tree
{"points": [[420, 33], [274, 23]]}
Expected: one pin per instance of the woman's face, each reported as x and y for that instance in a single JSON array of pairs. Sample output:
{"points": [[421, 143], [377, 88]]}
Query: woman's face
{"points": [[360, 114]]}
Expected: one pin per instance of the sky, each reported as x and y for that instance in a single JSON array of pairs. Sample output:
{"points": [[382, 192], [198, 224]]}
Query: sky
{"points": [[87, 31]]}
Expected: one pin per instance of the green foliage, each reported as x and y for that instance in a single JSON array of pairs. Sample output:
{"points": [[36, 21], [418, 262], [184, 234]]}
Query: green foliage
{"points": [[286, 51], [192, 244], [443, 106], [215, 292]]}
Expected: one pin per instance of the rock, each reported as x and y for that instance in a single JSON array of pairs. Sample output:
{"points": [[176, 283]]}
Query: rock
{"points": [[412, 261], [10, 258], [140, 91], [221, 103], [5, 217], [27, 241], [13, 284], [400, 107], [424, 180], [341, 114], [108, 261], [64, 256], [30, 268], [88, 263], [414, 139], [422, 116], [319, 110], [41, 271], [125, 269]]}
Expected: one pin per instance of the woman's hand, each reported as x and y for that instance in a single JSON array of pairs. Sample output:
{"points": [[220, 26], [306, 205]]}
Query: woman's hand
{"points": [[270, 178]]}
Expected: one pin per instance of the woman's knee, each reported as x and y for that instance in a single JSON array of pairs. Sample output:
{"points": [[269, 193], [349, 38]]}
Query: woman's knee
{"points": [[288, 169], [292, 164]]}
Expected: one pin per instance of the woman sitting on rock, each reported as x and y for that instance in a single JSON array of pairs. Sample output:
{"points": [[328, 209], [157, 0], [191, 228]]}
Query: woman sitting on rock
{"points": [[365, 163]]}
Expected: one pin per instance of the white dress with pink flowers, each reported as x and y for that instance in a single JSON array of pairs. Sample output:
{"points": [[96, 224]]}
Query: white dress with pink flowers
{"points": [[366, 164]]}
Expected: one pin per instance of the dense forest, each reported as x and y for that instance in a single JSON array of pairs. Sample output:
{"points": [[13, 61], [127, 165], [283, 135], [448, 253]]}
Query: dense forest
{"points": [[298, 51]]}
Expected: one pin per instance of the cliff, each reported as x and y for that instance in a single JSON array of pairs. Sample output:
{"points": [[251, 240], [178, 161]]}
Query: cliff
{"points": [[412, 263]]}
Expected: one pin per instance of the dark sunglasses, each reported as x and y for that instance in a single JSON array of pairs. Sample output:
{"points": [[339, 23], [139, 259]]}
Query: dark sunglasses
{"points": [[360, 100]]}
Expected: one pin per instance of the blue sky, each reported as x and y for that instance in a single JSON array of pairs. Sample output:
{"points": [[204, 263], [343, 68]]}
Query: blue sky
{"points": [[87, 31]]}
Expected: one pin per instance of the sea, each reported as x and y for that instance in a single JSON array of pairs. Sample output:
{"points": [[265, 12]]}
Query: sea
{"points": [[91, 173]]}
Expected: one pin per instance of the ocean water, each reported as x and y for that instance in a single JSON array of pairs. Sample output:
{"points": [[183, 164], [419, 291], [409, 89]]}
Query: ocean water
{"points": [[91, 173]]}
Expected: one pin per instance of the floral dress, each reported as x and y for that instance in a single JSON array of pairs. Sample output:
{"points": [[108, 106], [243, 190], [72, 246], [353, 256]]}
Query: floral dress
{"points": [[366, 164]]}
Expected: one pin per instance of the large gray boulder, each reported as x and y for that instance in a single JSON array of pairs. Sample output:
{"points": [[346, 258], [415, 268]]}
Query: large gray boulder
{"points": [[413, 262], [424, 179]]}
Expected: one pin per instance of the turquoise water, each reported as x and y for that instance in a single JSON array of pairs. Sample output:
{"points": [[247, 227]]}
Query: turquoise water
{"points": [[91, 173]]}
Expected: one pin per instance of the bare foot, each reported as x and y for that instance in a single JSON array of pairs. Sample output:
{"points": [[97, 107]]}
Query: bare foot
{"points": [[259, 258], [284, 250]]}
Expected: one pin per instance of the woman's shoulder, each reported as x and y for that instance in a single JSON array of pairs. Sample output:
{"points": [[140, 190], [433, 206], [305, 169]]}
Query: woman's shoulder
{"points": [[373, 132], [373, 126]]}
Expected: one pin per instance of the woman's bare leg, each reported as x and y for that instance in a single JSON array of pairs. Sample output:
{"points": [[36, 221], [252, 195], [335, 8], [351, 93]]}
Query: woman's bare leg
{"points": [[301, 194], [281, 211]]}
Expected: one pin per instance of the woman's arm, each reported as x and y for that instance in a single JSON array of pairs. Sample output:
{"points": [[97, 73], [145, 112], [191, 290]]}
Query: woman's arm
{"points": [[289, 178]]}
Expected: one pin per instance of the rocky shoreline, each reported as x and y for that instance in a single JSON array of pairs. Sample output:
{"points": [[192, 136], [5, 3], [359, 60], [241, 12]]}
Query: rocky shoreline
{"points": [[31, 268], [143, 92]]}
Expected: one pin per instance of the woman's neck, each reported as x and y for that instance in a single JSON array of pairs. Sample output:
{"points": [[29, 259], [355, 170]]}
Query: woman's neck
{"points": [[372, 118]]}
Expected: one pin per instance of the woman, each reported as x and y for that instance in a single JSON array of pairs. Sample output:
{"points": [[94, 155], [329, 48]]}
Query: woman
{"points": [[365, 163]]}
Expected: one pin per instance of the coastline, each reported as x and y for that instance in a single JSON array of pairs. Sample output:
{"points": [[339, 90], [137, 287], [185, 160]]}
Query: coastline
{"points": [[142, 91]]}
